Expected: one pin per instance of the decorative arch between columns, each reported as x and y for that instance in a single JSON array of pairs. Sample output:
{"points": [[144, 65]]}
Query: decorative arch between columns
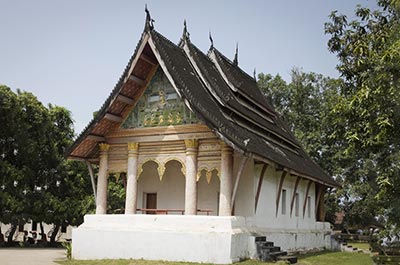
{"points": [[208, 171], [161, 165]]}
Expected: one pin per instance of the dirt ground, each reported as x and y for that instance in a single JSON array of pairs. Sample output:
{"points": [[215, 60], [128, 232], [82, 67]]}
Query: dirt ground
{"points": [[31, 256]]}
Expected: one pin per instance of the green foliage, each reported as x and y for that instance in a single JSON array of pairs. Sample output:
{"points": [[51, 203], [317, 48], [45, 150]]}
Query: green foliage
{"points": [[368, 50], [116, 193], [68, 249], [306, 106], [350, 126], [333, 258], [36, 182]]}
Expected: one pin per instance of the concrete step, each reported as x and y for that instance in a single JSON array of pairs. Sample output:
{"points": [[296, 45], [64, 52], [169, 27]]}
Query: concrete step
{"points": [[290, 259], [271, 256], [264, 244], [275, 255], [261, 238], [271, 248]]}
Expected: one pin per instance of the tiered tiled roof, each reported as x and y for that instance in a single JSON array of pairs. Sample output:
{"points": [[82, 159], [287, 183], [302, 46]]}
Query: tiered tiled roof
{"points": [[223, 96]]}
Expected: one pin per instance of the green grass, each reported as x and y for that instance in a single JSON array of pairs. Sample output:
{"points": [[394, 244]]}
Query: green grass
{"points": [[363, 246], [334, 258], [323, 258]]}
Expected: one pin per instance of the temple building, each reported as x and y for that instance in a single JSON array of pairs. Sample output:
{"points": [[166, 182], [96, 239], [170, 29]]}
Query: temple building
{"points": [[210, 165]]}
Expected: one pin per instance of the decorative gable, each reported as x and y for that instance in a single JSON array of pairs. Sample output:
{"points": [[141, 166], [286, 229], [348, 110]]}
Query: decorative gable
{"points": [[159, 105]]}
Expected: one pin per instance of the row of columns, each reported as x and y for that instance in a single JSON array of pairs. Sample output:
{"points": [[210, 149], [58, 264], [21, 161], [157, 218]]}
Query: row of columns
{"points": [[225, 206]]}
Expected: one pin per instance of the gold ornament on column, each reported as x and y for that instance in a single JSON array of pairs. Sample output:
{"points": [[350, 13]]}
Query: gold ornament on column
{"points": [[161, 170], [191, 143], [133, 146], [208, 176], [104, 147]]}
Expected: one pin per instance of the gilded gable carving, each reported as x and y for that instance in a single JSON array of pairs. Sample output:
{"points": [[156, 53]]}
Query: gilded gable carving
{"points": [[160, 105]]}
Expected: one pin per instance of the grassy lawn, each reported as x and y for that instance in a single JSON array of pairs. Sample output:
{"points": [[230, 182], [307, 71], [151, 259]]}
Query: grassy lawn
{"points": [[325, 258], [363, 246], [333, 258]]}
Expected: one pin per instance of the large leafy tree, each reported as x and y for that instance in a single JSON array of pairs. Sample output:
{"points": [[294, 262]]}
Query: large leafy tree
{"points": [[37, 183], [368, 49]]}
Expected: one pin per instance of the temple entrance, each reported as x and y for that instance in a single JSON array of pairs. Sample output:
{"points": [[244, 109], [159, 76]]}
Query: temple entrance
{"points": [[151, 202], [161, 195]]}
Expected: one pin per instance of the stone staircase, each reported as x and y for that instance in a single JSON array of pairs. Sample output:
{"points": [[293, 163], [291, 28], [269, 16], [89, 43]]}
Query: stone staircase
{"points": [[266, 251]]}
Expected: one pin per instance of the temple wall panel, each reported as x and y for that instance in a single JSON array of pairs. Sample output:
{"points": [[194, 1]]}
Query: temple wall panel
{"points": [[208, 193], [244, 202], [266, 215]]}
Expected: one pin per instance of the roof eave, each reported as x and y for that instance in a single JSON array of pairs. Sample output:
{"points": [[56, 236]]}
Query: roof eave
{"points": [[112, 97]]}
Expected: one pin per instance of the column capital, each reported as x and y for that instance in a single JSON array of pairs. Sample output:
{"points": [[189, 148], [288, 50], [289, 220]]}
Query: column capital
{"points": [[133, 146], [191, 143], [104, 147]]}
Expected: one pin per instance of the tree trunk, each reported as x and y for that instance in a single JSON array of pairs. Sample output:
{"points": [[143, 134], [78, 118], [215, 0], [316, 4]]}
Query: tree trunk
{"points": [[1, 235], [43, 237], [11, 234], [54, 234]]}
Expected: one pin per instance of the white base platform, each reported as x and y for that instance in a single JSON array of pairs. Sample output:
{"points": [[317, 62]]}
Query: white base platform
{"points": [[211, 239], [205, 239]]}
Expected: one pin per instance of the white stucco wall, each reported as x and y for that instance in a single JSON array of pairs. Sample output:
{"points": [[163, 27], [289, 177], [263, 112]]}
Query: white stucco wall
{"points": [[207, 193], [244, 201], [170, 190], [218, 240], [266, 216], [290, 232]]}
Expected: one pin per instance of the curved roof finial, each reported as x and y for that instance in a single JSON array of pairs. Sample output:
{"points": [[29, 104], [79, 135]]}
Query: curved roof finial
{"points": [[149, 21], [255, 74], [211, 40], [186, 34], [235, 60]]}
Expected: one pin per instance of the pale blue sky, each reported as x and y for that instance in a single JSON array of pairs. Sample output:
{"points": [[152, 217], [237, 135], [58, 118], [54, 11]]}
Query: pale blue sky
{"points": [[72, 53]]}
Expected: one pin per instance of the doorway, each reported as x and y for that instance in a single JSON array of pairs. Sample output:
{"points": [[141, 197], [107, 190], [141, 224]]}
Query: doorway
{"points": [[151, 202]]}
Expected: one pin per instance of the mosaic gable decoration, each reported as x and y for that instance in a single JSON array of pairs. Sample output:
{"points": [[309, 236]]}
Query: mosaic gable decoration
{"points": [[160, 105]]}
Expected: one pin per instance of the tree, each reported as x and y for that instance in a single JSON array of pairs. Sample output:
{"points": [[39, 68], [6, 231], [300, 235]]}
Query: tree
{"points": [[306, 106], [368, 50], [38, 184]]}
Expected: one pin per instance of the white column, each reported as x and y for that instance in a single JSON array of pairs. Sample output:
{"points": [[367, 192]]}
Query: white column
{"points": [[101, 200], [191, 171], [225, 194], [131, 185]]}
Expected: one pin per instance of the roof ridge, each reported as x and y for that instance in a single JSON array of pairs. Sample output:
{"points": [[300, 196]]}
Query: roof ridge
{"points": [[165, 38], [233, 65]]}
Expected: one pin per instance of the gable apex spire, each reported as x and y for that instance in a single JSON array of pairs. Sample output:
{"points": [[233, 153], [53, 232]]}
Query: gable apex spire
{"points": [[211, 40], [149, 21], [235, 60], [185, 34]]}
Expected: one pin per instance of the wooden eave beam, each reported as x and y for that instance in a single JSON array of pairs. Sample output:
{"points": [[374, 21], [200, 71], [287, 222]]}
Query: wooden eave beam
{"points": [[318, 199], [260, 182], [278, 195], [125, 99], [77, 158], [239, 174], [113, 117], [137, 80], [147, 59], [306, 198], [96, 137], [91, 173], [294, 194]]}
